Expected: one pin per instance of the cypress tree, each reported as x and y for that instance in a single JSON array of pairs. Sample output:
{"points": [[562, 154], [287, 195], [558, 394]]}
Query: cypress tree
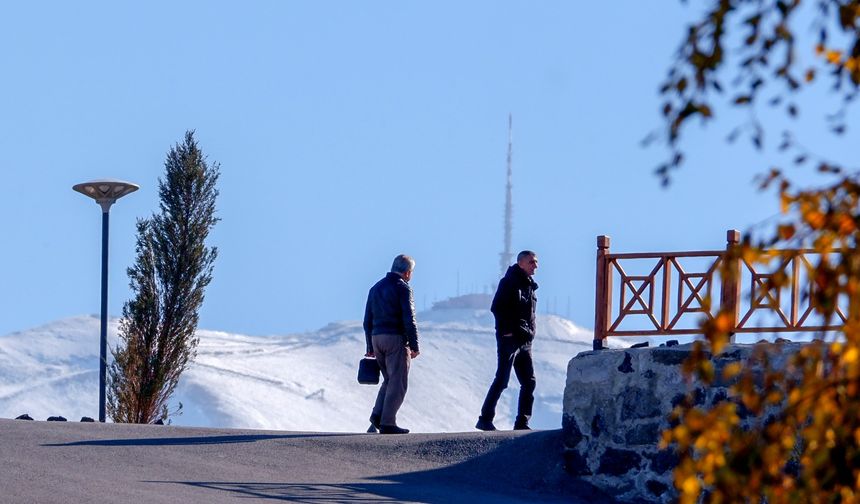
{"points": [[172, 268]]}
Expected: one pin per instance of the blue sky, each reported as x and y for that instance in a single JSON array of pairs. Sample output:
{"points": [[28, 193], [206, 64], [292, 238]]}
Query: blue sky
{"points": [[349, 132]]}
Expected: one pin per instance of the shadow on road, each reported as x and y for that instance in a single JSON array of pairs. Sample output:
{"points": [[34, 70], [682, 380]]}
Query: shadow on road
{"points": [[524, 469], [197, 440], [529, 467], [293, 492]]}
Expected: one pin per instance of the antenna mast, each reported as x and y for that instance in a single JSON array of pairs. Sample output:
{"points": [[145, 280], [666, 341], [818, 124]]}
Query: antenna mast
{"points": [[506, 256]]}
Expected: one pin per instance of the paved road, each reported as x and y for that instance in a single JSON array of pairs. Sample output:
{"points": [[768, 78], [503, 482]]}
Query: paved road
{"points": [[47, 462]]}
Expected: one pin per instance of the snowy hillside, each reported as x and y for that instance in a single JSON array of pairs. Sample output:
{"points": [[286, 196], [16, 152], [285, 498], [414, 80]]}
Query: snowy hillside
{"points": [[301, 382]]}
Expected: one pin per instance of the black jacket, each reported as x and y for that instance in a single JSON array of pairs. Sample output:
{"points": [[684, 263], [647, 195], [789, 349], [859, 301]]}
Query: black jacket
{"points": [[514, 305], [391, 310]]}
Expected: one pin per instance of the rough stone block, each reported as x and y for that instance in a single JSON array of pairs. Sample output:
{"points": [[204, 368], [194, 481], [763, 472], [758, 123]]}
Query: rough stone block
{"points": [[643, 434], [575, 463], [670, 356], [719, 396], [656, 488], [589, 367], [698, 398], [572, 434], [730, 355], [618, 462], [639, 403], [598, 426], [622, 399], [663, 460]]}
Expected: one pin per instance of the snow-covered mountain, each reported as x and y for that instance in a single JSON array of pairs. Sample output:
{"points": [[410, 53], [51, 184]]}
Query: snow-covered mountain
{"points": [[300, 382]]}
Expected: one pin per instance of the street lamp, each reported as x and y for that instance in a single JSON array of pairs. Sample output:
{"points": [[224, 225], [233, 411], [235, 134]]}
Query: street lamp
{"points": [[105, 192]]}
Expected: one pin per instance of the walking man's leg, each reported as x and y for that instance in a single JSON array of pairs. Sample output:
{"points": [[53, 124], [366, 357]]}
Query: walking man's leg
{"points": [[524, 368], [376, 414], [397, 380], [505, 353]]}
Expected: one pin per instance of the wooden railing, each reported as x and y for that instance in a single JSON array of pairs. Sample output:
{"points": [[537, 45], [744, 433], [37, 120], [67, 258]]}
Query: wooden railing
{"points": [[675, 290]]}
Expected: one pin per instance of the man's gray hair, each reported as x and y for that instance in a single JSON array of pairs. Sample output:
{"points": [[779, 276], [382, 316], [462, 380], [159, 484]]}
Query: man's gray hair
{"points": [[402, 264], [525, 253]]}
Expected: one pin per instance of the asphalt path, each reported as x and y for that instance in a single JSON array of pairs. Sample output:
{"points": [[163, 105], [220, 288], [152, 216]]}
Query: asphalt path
{"points": [[48, 462]]}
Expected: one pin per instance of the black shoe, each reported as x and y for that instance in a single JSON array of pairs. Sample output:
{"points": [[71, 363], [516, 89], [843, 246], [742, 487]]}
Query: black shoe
{"points": [[522, 423], [485, 425], [374, 421], [392, 429]]}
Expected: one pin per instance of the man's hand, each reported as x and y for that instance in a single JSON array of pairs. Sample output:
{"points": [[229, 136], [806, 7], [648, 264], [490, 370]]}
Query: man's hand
{"points": [[369, 354], [509, 335], [413, 354]]}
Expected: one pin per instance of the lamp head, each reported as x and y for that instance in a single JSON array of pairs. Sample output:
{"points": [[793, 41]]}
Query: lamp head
{"points": [[105, 191]]}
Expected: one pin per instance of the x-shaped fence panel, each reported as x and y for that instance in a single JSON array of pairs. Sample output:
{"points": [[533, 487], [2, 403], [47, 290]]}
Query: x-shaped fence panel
{"points": [[669, 293]]}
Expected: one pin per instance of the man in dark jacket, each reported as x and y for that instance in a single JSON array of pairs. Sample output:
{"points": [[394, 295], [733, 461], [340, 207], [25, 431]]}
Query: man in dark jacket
{"points": [[392, 337], [514, 310]]}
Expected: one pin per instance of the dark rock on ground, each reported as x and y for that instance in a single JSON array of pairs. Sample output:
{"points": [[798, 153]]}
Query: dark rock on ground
{"points": [[57, 419], [24, 417]]}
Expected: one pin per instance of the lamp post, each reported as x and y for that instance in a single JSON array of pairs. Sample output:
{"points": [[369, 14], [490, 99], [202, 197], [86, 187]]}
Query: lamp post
{"points": [[105, 192]]}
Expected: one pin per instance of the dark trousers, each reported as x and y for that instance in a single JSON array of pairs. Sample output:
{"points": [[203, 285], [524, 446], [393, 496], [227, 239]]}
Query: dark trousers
{"points": [[519, 357], [393, 359]]}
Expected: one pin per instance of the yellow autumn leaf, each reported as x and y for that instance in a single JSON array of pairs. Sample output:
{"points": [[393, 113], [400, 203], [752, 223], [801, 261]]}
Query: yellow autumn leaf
{"points": [[815, 219], [784, 202], [794, 397], [846, 224], [691, 485], [750, 255], [850, 355], [833, 56], [731, 370], [723, 323]]}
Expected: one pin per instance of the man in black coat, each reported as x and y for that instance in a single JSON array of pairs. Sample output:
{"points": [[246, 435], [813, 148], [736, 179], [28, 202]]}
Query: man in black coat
{"points": [[514, 310], [392, 337]]}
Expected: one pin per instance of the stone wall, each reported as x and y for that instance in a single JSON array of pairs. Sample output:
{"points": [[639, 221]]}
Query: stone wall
{"points": [[616, 404]]}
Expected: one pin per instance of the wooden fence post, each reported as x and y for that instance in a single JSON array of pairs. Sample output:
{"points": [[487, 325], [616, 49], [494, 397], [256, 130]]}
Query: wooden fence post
{"points": [[731, 287], [602, 293]]}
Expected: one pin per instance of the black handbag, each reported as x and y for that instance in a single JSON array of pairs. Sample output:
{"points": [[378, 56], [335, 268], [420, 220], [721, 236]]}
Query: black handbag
{"points": [[368, 371]]}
